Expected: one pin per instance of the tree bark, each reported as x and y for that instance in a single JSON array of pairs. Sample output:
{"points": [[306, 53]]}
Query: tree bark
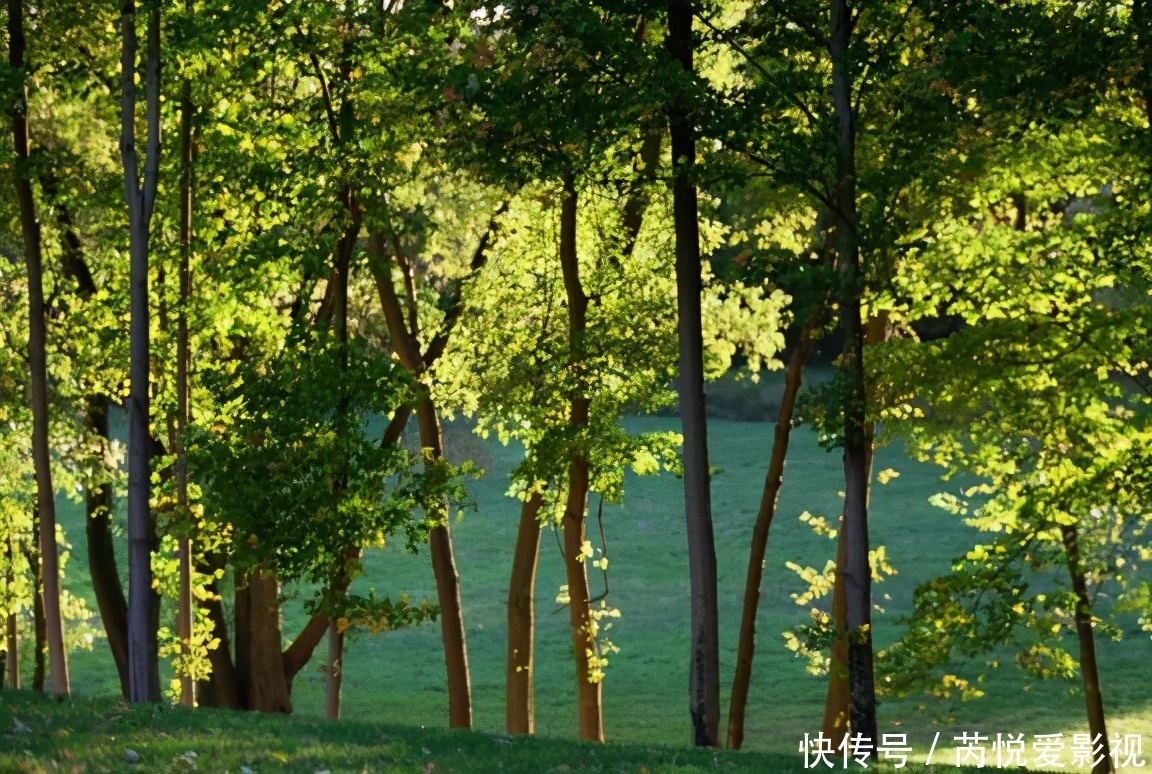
{"points": [[857, 572], [746, 649], [184, 611], [12, 656], [704, 664], [102, 554], [1093, 696], [39, 623], [222, 688], [519, 702], [259, 662], [588, 691], [37, 358], [837, 700], [447, 583], [144, 674]]}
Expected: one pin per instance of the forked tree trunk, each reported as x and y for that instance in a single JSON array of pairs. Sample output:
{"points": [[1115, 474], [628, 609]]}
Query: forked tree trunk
{"points": [[588, 691], [1093, 696], [519, 700], [704, 663], [746, 649], [143, 661], [857, 572], [37, 356]]}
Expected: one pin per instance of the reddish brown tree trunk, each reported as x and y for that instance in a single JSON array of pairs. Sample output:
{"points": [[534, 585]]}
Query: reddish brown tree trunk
{"points": [[37, 357], [588, 691], [1093, 695], [39, 624], [447, 583], [746, 649], [519, 702]]}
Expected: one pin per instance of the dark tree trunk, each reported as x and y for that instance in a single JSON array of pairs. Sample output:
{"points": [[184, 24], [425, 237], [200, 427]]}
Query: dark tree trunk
{"points": [[12, 657], [588, 691], [222, 688], [37, 357], [102, 554], [39, 624], [704, 663], [857, 571], [143, 671], [793, 377], [1093, 696], [1142, 21], [519, 701], [184, 609], [259, 662]]}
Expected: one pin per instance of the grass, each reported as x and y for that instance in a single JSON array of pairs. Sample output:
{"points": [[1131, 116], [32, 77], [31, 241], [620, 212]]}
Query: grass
{"points": [[399, 677]]}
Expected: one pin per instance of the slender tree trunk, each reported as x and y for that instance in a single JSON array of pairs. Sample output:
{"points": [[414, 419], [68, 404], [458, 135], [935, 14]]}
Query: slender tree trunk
{"points": [[335, 671], [857, 572], [12, 656], [405, 341], [704, 664], [1093, 696], [222, 688], [144, 675], [519, 702], [39, 623], [102, 554], [588, 691], [793, 377], [447, 583], [184, 611], [837, 701], [37, 357]]}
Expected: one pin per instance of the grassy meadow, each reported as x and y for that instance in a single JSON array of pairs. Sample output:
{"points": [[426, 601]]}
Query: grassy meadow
{"points": [[398, 677]]}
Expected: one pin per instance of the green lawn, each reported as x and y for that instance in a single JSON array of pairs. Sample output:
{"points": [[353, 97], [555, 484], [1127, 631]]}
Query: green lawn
{"points": [[398, 678]]}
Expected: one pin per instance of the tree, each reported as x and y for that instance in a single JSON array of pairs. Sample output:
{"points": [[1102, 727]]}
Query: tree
{"points": [[45, 521], [143, 622]]}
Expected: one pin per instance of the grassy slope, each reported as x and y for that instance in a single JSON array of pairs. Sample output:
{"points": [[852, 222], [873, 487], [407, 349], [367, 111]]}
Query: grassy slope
{"points": [[399, 677]]}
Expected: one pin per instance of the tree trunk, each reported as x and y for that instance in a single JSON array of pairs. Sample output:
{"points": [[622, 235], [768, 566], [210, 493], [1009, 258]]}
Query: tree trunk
{"points": [[222, 688], [857, 572], [447, 583], [335, 671], [588, 691], [37, 357], [837, 701], [1093, 697], [144, 675], [12, 656], [519, 702], [746, 649], [184, 613], [704, 664], [1142, 21], [39, 623], [259, 662], [102, 554]]}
